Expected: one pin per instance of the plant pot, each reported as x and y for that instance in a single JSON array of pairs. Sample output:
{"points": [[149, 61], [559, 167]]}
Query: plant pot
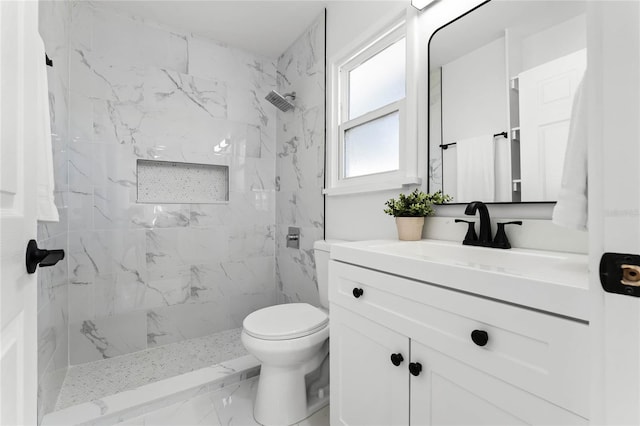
{"points": [[410, 228]]}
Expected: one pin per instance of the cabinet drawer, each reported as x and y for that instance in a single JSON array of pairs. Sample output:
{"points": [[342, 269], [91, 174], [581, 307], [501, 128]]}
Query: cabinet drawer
{"points": [[535, 351]]}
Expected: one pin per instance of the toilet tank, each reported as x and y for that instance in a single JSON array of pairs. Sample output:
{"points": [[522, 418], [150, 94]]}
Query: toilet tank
{"points": [[321, 250]]}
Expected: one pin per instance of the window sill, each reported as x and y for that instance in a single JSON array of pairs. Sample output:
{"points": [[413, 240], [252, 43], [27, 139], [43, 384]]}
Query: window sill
{"points": [[372, 187]]}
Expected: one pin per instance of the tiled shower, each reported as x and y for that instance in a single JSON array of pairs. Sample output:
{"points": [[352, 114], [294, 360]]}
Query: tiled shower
{"points": [[142, 275]]}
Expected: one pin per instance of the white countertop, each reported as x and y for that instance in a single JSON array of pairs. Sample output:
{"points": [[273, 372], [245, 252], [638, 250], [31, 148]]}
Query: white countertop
{"points": [[554, 282]]}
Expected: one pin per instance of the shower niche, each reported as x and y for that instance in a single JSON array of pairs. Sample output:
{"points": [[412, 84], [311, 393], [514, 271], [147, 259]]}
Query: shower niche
{"points": [[167, 182]]}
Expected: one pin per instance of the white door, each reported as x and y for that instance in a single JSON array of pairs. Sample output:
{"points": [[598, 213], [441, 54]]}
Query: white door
{"points": [[546, 99], [18, 304], [367, 389], [449, 392]]}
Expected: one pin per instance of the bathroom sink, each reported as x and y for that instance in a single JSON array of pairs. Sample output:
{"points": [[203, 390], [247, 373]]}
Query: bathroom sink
{"points": [[514, 261], [551, 281]]}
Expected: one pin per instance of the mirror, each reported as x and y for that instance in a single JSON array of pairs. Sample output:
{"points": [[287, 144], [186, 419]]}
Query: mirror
{"points": [[502, 79]]}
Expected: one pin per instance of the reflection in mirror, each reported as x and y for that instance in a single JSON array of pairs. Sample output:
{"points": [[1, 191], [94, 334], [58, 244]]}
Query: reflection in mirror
{"points": [[502, 79]]}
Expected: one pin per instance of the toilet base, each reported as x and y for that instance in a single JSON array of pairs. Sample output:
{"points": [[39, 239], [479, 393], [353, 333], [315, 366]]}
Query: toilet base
{"points": [[283, 397], [280, 409]]}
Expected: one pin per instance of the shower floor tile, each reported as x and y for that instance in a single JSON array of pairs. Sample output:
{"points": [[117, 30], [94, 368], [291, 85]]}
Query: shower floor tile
{"points": [[95, 380], [231, 405]]}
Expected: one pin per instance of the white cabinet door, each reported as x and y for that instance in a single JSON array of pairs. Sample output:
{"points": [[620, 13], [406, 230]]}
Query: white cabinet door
{"points": [[449, 392], [366, 387]]}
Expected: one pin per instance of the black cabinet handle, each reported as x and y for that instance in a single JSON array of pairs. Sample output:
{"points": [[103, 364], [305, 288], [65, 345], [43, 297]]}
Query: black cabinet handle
{"points": [[36, 256], [396, 359], [480, 337], [415, 368], [357, 292]]}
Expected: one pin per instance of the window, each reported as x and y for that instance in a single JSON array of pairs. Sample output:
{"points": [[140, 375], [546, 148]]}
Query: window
{"points": [[372, 147], [368, 136], [378, 81]]}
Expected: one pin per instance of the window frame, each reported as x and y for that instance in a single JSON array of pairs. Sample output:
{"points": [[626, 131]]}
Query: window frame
{"points": [[353, 56]]}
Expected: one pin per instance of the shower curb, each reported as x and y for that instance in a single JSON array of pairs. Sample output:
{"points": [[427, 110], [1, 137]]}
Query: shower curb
{"points": [[124, 405]]}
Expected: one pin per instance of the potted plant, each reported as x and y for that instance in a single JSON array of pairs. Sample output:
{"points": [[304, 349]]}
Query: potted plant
{"points": [[410, 211]]}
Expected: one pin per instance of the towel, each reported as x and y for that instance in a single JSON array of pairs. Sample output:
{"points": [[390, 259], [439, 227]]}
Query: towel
{"points": [[476, 169], [571, 209], [46, 208]]}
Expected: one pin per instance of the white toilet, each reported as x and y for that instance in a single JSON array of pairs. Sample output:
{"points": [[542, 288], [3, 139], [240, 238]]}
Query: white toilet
{"points": [[291, 341]]}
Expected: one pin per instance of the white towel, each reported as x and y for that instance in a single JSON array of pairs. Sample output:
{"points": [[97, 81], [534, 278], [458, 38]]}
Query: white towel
{"points": [[476, 169], [46, 208], [571, 209]]}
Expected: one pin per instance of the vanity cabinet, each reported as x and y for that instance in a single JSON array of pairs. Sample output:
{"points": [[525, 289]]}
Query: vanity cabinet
{"points": [[521, 367]]}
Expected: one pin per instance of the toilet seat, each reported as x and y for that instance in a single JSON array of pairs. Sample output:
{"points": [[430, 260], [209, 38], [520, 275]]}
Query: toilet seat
{"points": [[283, 322]]}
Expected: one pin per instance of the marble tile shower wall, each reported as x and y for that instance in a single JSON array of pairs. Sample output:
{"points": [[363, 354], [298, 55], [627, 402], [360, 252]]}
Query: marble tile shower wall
{"points": [[53, 310], [142, 275], [435, 133], [300, 164]]}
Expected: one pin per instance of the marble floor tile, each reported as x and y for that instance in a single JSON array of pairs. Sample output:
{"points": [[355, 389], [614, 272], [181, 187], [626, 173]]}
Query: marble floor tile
{"points": [[195, 411], [231, 406], [234, 403], [95, 380], [319, 418]]}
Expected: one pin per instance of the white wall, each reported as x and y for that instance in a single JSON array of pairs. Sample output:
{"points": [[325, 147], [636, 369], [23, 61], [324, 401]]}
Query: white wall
{"points": [[358, 216], [554, 42], [435, 130], [474, 99]]}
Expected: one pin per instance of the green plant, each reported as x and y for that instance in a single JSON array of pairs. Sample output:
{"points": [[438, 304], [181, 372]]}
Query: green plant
{"points": [[416, 204]]}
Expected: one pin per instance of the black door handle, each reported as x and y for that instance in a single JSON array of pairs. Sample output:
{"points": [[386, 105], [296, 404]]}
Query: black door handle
{"points": [[357, 292], [36, 256], [396, 359]]}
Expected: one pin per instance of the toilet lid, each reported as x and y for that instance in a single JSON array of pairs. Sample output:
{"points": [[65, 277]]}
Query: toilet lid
{"points": [[287, 321]]}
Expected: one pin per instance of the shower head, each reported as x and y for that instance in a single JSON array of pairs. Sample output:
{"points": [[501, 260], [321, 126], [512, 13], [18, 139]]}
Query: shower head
{"points": [[280, 101]]}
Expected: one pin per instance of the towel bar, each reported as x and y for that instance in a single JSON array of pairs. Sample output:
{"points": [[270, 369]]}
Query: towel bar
{"points": [[447, 145]]}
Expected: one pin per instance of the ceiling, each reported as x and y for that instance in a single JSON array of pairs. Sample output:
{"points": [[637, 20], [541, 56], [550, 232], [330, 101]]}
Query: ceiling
{"points": [[264, 27]]}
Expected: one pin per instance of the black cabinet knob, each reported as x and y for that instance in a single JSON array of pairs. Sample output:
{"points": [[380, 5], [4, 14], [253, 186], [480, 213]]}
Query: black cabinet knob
{"points": [[480, 337], [39, 257], [357, 292], [415, 368], [396, 359]]}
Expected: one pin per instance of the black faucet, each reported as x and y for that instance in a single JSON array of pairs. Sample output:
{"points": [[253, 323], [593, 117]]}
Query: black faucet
{"points": [[484, 239], [485, 220]]}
